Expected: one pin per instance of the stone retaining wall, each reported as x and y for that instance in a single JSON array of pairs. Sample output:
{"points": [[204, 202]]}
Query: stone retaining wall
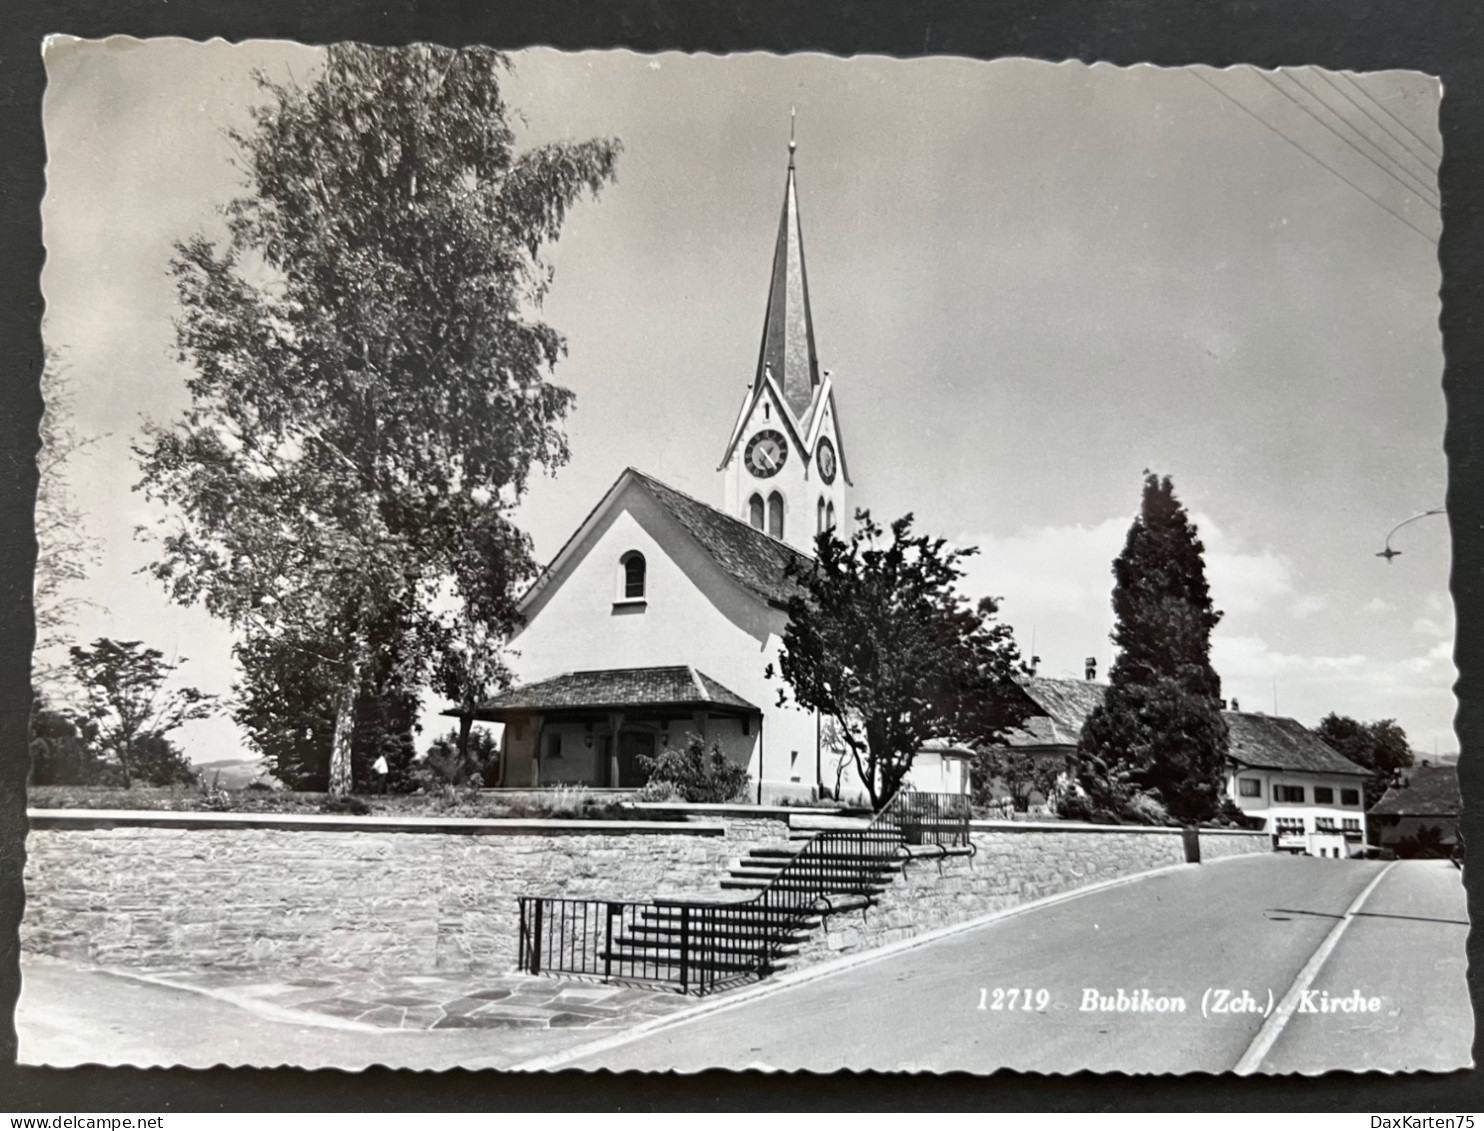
{"points": [[195, 889], [156, 892], [1015, 863]]}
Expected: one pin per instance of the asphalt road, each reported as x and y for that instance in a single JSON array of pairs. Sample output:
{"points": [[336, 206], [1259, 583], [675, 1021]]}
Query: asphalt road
{"points": [[1250, 924]]}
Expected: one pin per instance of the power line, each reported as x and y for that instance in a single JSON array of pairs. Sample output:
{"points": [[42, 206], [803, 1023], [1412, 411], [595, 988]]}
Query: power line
{"points": [[1369, 97], [1274, 84], [1317, 160], [1420, 185], [1329, 79]]}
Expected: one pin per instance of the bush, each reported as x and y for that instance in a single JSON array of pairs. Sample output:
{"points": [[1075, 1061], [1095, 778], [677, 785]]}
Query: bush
{"points": [[443, 759], [699, 777], [657, 790], [348, 805]]}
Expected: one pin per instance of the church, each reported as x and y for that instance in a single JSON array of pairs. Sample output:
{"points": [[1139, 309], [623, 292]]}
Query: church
{"points": [[662, 613]]}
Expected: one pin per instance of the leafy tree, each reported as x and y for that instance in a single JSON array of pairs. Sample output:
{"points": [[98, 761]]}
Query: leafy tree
{"points": [[882, 644], [369, 388], [158, 761], [1380, 747], [65, 551], [460, 759], [285, 703], [1159, 730], [1020, 775], [62, 748], [123, 683]]}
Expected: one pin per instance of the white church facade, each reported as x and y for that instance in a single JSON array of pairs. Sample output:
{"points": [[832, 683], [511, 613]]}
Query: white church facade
{"points": [[662, 613]]}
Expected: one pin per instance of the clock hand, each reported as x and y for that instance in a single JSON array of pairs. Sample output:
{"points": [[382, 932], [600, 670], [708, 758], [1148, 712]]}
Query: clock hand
{"points": [[765, 458]]}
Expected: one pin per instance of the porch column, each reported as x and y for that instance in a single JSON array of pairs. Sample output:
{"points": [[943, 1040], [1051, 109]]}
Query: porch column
{"points": [[615, 724], [538, 725]]}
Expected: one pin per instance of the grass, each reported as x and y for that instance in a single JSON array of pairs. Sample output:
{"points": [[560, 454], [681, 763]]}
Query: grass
{"points": [[562, 803]]}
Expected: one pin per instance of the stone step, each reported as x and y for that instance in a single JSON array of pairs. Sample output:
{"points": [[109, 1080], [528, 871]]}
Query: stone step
{"points": [[737, 965], [669, 952], [754, 934], [830, 866], [803, 920], [734, 883]]}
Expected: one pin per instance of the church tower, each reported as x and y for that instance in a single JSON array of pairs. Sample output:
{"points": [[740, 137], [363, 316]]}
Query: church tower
{"points": [[785, 462]]}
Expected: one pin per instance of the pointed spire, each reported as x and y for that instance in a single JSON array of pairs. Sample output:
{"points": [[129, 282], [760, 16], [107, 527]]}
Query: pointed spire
{"points": [[788, 329]]}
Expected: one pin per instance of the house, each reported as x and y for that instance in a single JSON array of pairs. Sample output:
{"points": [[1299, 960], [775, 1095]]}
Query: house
{"points": [[1308, 796], [662, 613], [1421, 814]]}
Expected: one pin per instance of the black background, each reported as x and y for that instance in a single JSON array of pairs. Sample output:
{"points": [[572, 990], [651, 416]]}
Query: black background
{"points": [[1441, 38]]}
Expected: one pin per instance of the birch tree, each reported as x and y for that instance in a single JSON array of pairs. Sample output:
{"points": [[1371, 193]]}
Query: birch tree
{"points": [[370, 380]]}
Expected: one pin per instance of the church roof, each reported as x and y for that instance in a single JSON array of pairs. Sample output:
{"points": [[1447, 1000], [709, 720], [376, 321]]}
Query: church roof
{"points": [[1430, 791], [788, 329], [752, 559], [615, 689]]}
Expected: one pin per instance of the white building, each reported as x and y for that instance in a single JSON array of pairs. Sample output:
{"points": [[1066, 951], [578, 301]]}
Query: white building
{"points": [[1309, 796]]}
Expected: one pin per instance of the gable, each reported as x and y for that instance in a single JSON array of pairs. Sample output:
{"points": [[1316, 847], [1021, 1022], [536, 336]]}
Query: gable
{"points": [[737, 568]]}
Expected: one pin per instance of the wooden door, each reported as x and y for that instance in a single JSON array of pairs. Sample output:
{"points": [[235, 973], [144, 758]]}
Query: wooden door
{"points": [[631, 744]]}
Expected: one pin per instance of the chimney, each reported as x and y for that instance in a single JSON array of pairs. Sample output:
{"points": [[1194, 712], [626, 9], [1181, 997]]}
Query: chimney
{"points": [[1235, 705], [1091, 668]]}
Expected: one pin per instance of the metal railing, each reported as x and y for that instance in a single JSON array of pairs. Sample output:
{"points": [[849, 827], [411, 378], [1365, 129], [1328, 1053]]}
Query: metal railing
{"points": [[941, 819], [705, 944]]}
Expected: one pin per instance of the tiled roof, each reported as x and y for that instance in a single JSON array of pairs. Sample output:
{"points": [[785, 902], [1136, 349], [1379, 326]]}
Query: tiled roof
{"points": [[1065, 705], [1256, 740], [1274, 743], [618, 688], [1431, 791], [751, 558]]}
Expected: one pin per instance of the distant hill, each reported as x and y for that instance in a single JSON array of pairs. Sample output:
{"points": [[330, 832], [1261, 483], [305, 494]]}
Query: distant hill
{"points": [[233, 773]]}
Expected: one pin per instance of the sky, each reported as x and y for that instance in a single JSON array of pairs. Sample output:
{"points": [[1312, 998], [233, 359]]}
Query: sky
{"points": [[1032, 281]]}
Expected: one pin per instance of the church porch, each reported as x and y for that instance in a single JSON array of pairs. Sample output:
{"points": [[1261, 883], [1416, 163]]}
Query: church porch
{"points": [[591, 728]]}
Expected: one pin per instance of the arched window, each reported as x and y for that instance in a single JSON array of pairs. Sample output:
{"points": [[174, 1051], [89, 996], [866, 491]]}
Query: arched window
{"points": [[755, 511], [775, 515], [633, 576], [819, 526], [829, 517]]}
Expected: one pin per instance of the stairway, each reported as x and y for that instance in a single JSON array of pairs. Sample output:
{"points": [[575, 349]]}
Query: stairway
{"points": [[770, 901]]}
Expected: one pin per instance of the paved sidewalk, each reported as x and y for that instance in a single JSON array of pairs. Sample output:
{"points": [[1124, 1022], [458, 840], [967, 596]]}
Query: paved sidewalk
{"points": [[356, 1000]]}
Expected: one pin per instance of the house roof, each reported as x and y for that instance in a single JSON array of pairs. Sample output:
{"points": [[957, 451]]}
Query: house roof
{"points": [[1265, 741], [1273, 743], [752, 559], [615, 689], [1430, 791], [1065, 705]]}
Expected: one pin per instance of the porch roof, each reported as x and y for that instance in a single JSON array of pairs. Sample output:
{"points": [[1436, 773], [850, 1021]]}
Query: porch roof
{"points": [[680, 688]]}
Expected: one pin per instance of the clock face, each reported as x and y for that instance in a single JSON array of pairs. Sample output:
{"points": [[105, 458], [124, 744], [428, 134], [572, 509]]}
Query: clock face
{"points": [[765, 453], [825, 456]]}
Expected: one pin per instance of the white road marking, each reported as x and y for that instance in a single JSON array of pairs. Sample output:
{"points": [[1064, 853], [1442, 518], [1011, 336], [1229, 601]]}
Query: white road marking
{"points": [[1273, 1027]]}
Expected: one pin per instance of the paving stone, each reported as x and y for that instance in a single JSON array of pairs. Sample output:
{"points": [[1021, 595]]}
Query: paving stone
{"points": [[383, 1016]]}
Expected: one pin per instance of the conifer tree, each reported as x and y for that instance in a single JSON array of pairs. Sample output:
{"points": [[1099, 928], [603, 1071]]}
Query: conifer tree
{"points": [[1159, 731]]}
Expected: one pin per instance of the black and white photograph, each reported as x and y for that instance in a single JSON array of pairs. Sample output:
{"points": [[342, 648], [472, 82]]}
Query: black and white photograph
{"points": [[659, 562]]}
